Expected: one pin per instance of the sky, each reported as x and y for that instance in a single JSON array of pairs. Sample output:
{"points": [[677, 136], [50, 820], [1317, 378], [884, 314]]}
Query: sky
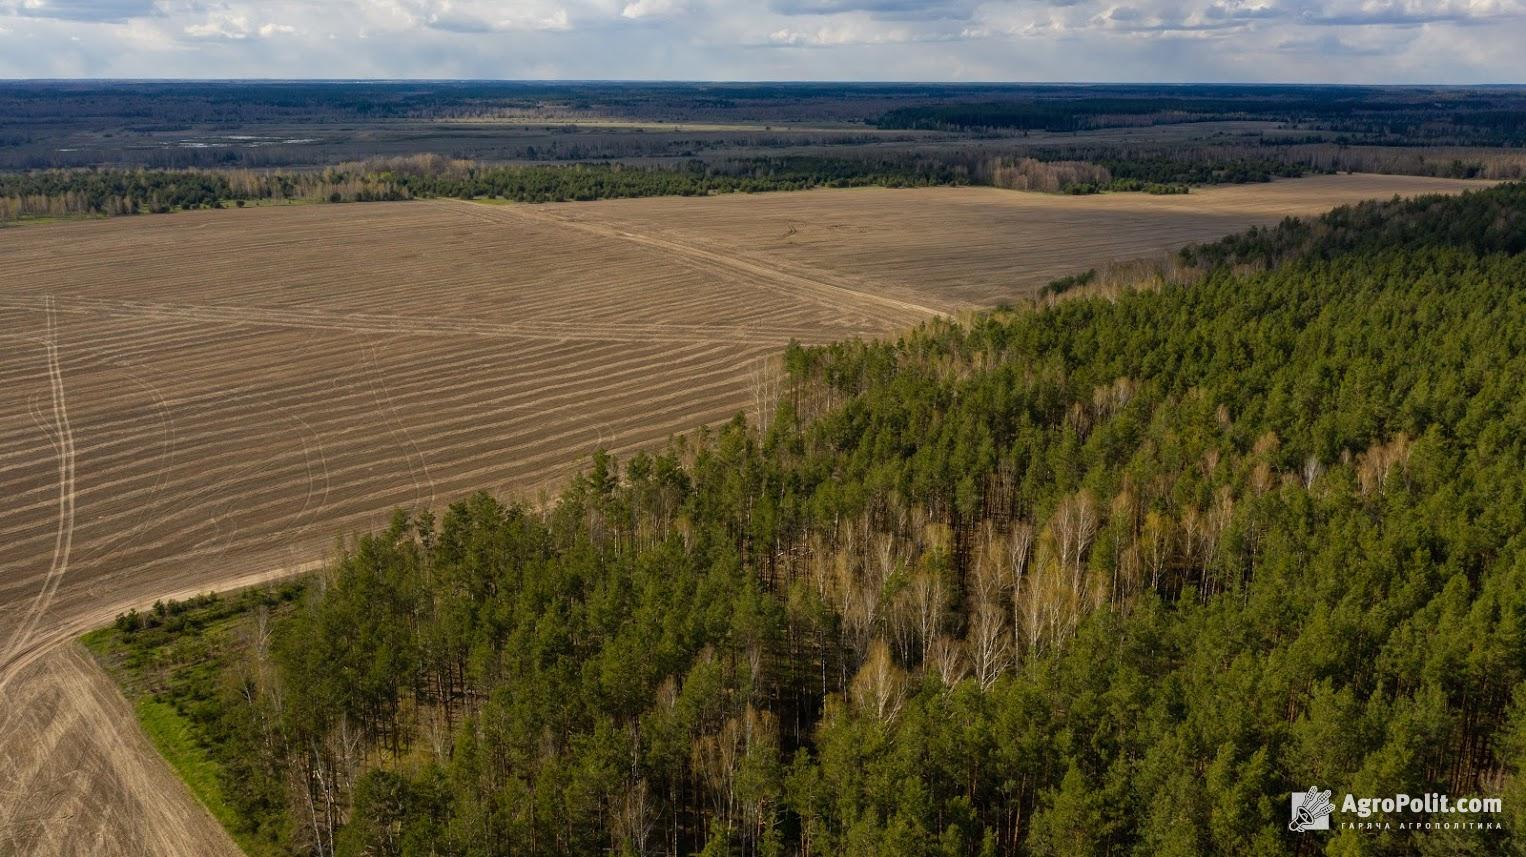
{"points": [[1340, 41]]}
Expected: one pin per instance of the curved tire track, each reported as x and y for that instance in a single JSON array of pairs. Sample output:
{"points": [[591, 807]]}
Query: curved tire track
{"points": [[63, 436]]}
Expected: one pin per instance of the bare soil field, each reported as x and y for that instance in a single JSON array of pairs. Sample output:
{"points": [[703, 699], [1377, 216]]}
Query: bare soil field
{"points": [[949, 248], [193, 401]]}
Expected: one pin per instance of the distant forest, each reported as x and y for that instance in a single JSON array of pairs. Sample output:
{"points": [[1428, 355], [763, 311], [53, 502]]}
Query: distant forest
{"points": [[309, 125], [116, 192], [1110, 574], [1481, 115], [1493, 118]]}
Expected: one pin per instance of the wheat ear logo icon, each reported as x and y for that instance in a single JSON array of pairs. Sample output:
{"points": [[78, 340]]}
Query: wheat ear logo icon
{"points": [[1311, 810]]}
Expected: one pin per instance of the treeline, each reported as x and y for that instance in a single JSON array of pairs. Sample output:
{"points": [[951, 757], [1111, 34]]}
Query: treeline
{"points": [[1112, 576], [1482, 223], [1440, 162], [1186, 165], [1182, 171], [113, 192], [695, 178], [65, 193], [72, 193], [1071, 170], [1272, 158], [1152, 169], [61, 193]]}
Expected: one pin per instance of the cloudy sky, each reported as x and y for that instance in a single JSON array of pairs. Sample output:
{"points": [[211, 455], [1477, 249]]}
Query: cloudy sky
{"points": [[1358, 41]]}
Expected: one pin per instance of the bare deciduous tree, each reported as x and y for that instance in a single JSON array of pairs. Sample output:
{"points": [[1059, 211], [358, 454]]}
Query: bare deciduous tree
{"points": [[1380, 462], [946, 656], [1155, 540], [634, 817], [766, 380], [880, 686], [1312, 470], [1074, 525], [919, 611], [990, 651]]}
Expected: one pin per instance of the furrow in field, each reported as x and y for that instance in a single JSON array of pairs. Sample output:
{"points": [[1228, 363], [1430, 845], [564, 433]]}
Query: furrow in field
{"points": [[444, 433]]}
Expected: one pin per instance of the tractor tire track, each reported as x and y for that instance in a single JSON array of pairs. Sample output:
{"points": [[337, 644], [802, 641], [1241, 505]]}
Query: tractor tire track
{"points": [[64, 542]]}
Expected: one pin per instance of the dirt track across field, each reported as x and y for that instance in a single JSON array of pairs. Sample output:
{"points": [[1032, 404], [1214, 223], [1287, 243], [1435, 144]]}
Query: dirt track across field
{"points": [[193, 401]]}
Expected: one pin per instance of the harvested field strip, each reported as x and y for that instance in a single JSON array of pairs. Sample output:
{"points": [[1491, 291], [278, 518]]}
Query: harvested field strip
{"points": [[426, 326], [353, 507], [335, 466], [548, 411], [441, 432], [481, 397], [572, 362]]}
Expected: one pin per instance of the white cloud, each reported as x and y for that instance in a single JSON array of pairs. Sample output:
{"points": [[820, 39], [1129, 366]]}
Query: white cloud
{"points": [[652, 9], [1274, 40], [235, 26], [220, 25]]}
